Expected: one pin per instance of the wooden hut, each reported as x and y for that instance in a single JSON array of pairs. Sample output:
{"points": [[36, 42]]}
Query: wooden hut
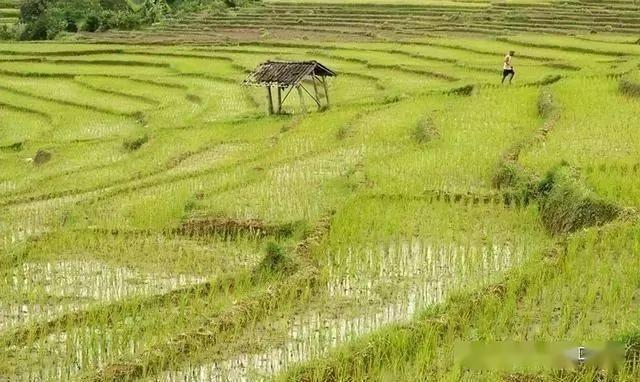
{"points": [[288, 75]]}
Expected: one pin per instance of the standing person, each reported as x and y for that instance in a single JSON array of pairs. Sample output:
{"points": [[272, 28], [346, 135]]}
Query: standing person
{"points": [[507, 68]]}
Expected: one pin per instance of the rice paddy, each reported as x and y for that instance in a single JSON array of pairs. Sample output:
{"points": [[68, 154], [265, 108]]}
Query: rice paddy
{"points": [[157, 225], [394, 20]]}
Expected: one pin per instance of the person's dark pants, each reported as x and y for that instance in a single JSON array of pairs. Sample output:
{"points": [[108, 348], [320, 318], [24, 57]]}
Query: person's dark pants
{"points": [[508, 73]]}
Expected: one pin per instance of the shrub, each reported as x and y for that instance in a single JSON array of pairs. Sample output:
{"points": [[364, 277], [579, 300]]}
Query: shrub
{"points": [[32, 10], [120, 20], [91, 24]]}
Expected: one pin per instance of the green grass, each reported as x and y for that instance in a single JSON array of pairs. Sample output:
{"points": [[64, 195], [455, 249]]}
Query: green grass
{"points": [[145, 247]]}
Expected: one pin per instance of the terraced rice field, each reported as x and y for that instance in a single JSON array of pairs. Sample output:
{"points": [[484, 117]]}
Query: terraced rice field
{"points": [[9, 12], [390, 20], [156, 225]]}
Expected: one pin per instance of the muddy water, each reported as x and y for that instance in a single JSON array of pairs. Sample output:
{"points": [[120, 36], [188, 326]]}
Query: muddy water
{"points": [[22, 221], [62, 356], [418, 274], [73, 285]]}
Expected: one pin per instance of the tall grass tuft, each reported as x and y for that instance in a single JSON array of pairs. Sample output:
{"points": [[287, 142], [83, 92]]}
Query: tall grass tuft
{"points": [[546, 104], [41, 157], [628, 87], [133, 144], [425, 130], [567, 205], [466, 90], [275, 262]]}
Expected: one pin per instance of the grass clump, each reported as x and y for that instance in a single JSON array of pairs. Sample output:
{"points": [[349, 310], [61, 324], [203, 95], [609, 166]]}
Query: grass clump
{"points": [[275, 262], [548, 80], [546, 104], [193, 98], [510, 174], [133, 144], [567, 205], [343, 132], [425, 130], [41, 157], [628, 87], [18, 146], [466, 90]]}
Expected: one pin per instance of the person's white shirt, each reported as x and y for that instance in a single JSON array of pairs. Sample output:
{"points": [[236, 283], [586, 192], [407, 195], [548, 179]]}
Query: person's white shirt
{"points": [[507, 62]]}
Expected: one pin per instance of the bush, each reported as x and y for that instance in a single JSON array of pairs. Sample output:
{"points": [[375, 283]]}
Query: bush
{"points": [[91, 24], [120, 20], [32, 10], [46, 19]]}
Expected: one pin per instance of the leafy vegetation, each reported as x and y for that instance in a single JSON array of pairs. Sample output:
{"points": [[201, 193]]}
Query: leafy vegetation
{"points": [[48, 19]]}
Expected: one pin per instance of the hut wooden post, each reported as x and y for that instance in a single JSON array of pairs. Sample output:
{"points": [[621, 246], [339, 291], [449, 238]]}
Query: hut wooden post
{"points": [[279, 100], [269, 100], [326, 90], [302, 104], [315, 89]]}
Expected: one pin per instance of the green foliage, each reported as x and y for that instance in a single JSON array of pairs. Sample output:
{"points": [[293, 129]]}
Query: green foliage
{"points": [[46, 19]]}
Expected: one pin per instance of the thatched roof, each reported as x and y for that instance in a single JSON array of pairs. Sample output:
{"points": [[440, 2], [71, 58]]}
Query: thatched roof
{"points": [[286, 73]]}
